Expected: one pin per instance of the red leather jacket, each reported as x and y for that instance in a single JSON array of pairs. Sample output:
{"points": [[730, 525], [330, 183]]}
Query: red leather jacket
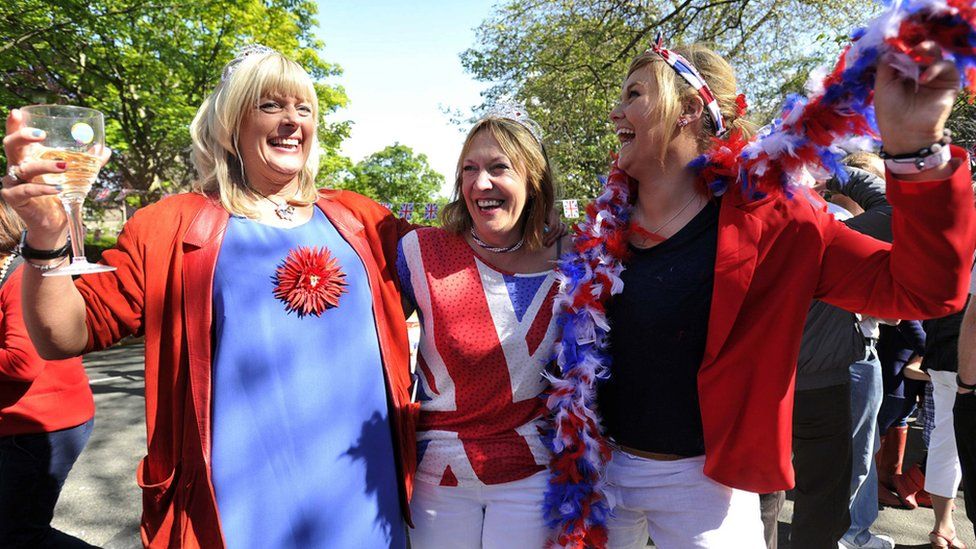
{"points": [[166, 256]]}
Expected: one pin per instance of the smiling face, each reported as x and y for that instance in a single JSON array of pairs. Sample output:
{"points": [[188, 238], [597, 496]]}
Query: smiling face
{"points": [[275, 140], [494, 191], [638, 121]]}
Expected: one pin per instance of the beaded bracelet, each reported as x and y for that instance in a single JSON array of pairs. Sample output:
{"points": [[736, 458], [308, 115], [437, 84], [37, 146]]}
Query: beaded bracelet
{"points": [[933, 156], [47, 266]]}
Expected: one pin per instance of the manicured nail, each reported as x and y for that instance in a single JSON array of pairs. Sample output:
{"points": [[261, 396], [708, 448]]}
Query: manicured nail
{"points": [[58, 188], [62, 165], [37, 133]]}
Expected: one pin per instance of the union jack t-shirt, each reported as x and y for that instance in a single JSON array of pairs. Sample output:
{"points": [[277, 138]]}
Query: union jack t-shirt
{"points": [[486, 337]]}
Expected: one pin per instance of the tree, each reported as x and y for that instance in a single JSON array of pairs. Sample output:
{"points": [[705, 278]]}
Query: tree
{"points": [[962, 121], [148, 64], [565, 60], [395, 174]]}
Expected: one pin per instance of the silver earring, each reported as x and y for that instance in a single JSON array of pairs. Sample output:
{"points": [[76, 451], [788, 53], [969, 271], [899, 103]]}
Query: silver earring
{"points": [[682, 122]]}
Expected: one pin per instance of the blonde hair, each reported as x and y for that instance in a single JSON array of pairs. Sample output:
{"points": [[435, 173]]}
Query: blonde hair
{"points": [[216, 125], [530, 161], [674, 93], [867, 161]]}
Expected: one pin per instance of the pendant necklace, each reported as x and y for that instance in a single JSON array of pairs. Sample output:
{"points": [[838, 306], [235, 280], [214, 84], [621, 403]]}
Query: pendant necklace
{"points": [[285, 212]]}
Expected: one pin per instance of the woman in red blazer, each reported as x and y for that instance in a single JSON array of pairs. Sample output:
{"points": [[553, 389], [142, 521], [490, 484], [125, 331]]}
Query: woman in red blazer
{"points": [[703, 339], [277, 383], [46, 415]]}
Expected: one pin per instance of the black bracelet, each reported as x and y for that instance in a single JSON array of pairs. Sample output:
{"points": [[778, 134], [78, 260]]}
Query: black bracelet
{"points": [[921, 153], [25, 251], [963, 385]]}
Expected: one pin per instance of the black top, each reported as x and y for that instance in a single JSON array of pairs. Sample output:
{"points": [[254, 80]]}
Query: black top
{"points": [[658, 328]]}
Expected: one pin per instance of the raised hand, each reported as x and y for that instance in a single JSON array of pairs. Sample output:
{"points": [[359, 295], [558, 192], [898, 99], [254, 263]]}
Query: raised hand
{"points": [[36, 203], [912, 116]]}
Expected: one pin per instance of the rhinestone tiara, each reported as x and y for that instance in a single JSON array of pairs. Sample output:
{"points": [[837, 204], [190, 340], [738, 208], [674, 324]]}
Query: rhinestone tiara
{"points": [[515, 112], [243, 53]]}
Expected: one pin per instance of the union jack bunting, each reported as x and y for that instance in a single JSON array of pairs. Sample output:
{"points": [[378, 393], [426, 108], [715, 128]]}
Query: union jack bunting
{"points": [[686, 70], [430, 212], [571, 209], [387, 205], [102, 195], [406, 209]]}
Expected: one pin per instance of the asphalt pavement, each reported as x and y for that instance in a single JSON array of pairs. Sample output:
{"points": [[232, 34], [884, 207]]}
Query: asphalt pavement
{"points": [[101, 502]]}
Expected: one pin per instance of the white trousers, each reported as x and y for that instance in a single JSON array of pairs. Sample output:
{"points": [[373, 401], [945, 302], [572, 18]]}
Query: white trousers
{"points": [[496, 516], [942, 471], [678, 506]]}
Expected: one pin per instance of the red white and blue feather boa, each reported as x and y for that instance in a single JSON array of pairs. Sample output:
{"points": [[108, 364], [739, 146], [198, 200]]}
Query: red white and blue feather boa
{"points": [[803, 145]]}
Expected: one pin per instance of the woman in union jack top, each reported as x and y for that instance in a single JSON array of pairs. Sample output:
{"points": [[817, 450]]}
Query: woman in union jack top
{"points": [[483, 287]]}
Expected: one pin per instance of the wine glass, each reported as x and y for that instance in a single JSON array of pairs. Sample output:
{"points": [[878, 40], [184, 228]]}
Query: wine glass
{"points": [[75, 135]]}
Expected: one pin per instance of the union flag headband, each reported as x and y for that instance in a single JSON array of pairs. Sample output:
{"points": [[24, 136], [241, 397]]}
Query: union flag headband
{"points": [[686, 70]]}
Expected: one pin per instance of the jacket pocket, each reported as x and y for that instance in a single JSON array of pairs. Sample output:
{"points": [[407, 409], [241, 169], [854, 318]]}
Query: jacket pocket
{"points": [[158, 505]]}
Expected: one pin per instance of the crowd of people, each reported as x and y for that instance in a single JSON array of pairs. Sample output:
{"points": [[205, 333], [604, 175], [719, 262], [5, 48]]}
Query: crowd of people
{"points": [[757, 342]]}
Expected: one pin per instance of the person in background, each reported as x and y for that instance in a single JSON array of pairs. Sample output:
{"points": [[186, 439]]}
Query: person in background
{"points": [[824, 402], [964, 411], [943, 472], [46, 415]]}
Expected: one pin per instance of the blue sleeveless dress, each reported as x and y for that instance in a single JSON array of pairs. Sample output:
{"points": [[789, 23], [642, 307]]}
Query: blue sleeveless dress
{"points": [[302, 443]]}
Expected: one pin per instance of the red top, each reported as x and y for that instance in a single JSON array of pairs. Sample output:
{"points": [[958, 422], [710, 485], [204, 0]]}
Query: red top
{"points": [[36, 395], [166, 256]]}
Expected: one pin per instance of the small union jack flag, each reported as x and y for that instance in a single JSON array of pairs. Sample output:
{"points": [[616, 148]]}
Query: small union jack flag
{"points": [[571, 209], [102, 195], [430, 212], [406, 209], [387, 205]]}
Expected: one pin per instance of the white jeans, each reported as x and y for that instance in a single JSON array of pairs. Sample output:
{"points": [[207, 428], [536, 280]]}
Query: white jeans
{"points": [[942, 471], [495, 516], [678, 506]]}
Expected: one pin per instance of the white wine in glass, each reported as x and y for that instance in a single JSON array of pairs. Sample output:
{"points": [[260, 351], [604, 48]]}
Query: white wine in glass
{"points": [[75, 135]]}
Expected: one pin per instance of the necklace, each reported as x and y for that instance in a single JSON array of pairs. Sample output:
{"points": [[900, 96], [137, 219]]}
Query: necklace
{"points": [[655, 235], [497, 249], [6, 265], [285, 212]]}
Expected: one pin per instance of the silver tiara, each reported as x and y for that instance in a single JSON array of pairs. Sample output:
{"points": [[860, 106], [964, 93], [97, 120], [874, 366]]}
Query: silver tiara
{"points": [[516, 112], [243, 53]]}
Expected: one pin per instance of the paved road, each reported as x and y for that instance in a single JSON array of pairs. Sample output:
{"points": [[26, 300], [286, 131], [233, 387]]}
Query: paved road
{"points": [[101, 502]]}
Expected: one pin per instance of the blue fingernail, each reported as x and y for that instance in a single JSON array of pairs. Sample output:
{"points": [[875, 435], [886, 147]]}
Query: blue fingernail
{"points": [[37, 133], [59, 188]]}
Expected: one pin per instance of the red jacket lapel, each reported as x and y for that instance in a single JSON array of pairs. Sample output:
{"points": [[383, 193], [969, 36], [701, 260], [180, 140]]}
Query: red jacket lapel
{"points": [[735, 262], [201, 244]]}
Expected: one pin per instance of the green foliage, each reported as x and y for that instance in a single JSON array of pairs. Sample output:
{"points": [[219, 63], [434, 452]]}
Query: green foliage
{"points": [[962, 121], [566, 59], [395, 174], [148, 64]]}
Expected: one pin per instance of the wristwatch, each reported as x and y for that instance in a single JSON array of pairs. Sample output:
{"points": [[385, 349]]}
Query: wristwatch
{"points": [[962, 385], [25, 251]]}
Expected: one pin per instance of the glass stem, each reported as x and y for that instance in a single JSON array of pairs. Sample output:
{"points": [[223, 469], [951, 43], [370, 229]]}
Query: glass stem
{"points": [[76, 227]]}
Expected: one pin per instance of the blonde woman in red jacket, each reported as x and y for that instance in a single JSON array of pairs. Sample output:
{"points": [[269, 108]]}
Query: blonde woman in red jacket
{"points": [[46, 416], [277, 388]]}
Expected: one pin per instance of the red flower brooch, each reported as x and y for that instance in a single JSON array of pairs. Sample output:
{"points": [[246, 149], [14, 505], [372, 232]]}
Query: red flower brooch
{"points": [[309, 281]]}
